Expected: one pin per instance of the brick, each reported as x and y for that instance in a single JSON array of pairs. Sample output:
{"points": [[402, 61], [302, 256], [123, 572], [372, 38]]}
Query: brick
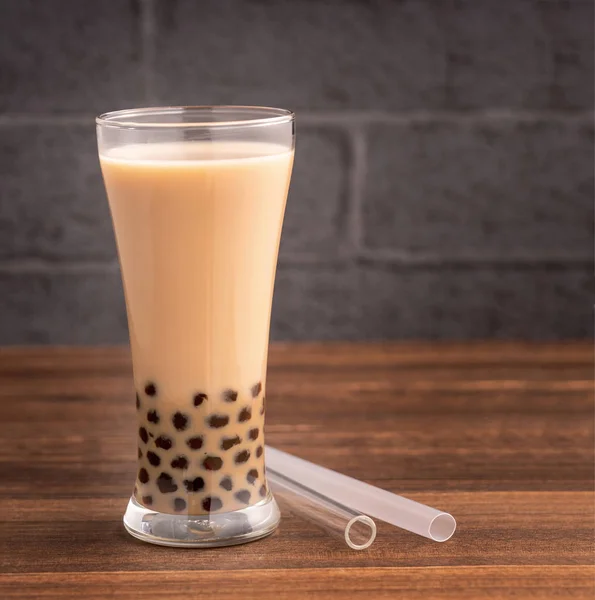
{"points": [[53, 308], [572, 52], [494, 188], [518, 303], [315, 215], [315, 303], [68, 55], [527, 54], [344, 302], [52, 200], [300, 53]]}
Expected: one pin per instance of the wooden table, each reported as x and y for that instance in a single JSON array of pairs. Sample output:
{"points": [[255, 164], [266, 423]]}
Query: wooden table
{"points": [[500, 435]]}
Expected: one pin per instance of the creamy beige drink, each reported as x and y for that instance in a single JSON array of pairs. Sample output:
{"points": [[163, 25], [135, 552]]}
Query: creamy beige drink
{"points": [[197, 226]]}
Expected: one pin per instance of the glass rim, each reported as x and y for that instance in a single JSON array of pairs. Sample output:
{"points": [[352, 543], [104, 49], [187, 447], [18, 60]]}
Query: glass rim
{"points": [[128, 118]]}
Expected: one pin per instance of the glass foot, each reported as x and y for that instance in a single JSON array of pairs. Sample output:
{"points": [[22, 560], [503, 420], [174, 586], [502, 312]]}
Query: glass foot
{"points": [[202, 531]]}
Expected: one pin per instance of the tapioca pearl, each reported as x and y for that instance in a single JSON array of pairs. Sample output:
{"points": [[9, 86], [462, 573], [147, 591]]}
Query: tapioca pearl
{"points": [[151, 435], [194, 485], [135, 491], [199, 399], [153, 458], [153, 416], [212, 503], [179, 504], [245, 415], [147, 500], [242, 457], [150, 389], [166, 484], [164, 442], [137, 401], [262, 491], [142, 433], [230, 442], [226, 483], [243, 496], [253, 433], [262, 408], [252, 475], [143, 475], [217, 421], [140, 453], [259, 451], [256, 389], [229, 396], [212, 463], [179, 462], [194, 443], [180, 421]]}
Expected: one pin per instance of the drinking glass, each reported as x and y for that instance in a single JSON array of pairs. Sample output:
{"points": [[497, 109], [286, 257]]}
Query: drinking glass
{"points": [[197, 197]]}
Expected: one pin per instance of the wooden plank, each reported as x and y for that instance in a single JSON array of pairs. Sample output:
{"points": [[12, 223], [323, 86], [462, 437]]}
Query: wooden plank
{"points": [[458, 583], [506, 528]]}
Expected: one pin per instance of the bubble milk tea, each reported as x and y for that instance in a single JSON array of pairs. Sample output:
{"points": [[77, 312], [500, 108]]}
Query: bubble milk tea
{"points": [[197, 227]]}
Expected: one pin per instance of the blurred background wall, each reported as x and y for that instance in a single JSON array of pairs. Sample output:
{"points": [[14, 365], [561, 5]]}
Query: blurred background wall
{"points": [[443, 184]]}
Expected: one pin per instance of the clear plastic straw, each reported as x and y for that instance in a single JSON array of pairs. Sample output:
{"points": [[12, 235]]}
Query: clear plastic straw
{"points": [[358, 531], [362, 497]]}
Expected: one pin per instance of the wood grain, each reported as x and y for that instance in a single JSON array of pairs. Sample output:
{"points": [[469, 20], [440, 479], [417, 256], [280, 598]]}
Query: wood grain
{"points": [[322, 583], [501, 435]]}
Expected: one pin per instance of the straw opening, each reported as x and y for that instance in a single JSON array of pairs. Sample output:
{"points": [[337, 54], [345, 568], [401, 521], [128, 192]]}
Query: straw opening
{"points": [[360, 532], [442, 527]]}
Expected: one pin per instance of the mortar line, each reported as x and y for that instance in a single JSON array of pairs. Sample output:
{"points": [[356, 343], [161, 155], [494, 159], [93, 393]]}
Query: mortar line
{"points": [[435, 116], [408, 259], [24, 119], [347, 117], [356, 178], [404, 261], [147, 24], [44, 266]]}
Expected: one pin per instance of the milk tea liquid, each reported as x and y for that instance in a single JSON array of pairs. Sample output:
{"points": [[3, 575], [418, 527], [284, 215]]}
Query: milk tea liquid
{"points": [[197, 226]]}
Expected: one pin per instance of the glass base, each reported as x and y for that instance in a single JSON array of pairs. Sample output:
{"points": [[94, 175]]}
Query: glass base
{"points": [[202, 531]]}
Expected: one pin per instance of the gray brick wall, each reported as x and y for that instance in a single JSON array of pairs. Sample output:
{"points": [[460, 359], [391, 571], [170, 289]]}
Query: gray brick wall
{"points": [[443, 184]]}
